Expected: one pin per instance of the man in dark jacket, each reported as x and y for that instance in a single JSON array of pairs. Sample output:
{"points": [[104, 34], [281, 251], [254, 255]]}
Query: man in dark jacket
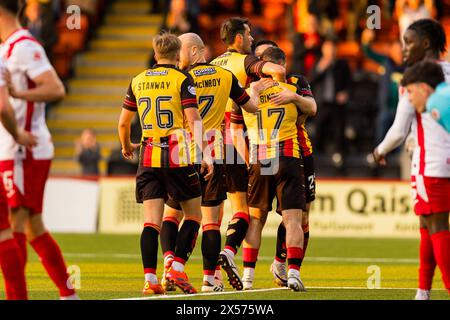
{"points": [[330, 80]]}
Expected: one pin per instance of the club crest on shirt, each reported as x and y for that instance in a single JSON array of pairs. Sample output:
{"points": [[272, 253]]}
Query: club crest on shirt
{"points": [[191, 90], [37, 56], [435, 114]]}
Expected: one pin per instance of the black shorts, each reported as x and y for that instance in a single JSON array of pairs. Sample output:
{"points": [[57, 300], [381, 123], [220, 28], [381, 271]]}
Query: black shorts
{"points": [[310, 178], [180, 184], [281, 179], [213, 191], [236, 172]]}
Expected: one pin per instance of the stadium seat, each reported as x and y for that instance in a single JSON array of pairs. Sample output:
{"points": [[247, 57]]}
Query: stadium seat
{"points": [[73, 40], [351, 51]]}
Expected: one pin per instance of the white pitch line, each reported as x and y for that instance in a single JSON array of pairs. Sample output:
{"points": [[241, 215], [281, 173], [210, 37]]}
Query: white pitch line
{"points": [[157, 297], [175, 296], [261, 258]]}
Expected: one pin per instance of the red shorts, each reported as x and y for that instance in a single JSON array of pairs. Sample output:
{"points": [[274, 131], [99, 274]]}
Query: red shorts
{"points": [[4, 213], [430, 195], [24, 182]]}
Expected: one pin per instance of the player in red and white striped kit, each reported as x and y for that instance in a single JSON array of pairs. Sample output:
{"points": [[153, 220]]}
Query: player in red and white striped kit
{"points": [[32, 82], [425, 40], [11, 261]]}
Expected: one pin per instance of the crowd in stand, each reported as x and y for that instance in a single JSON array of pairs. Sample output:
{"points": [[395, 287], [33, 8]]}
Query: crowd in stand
{"points": [[354, 72], [47, 22]]}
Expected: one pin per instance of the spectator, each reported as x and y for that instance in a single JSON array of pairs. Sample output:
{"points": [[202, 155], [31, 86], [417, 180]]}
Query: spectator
{"points": [[409, 11], [388, 85], [330, 80], [256, 6], [155, 7], [307, 47], [327, 12], [177, 21], [40, 20], [118, 165], [88, 152]]}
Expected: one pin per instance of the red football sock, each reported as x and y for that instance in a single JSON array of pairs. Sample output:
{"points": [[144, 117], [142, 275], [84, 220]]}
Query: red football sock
{"points": [[250, 256], [13, 268], [427, 261], [53, 261], [21, 240], [441, 248], [294, 257]]}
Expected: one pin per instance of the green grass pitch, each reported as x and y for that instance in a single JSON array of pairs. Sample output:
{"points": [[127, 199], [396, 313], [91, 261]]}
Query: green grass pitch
{"points": [[334, 268]]}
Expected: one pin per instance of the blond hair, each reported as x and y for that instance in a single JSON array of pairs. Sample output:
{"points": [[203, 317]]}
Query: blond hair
{"points": [[166, 45]]}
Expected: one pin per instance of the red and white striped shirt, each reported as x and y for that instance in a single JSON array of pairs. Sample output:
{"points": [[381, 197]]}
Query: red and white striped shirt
{"points": [[25, 59], [431, 157]]}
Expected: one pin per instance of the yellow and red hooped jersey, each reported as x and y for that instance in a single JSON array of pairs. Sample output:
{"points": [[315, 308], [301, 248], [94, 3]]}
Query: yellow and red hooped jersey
{"points": [[214, 86], [272, 130], [159, 95], [246, 68], [305, 90]]}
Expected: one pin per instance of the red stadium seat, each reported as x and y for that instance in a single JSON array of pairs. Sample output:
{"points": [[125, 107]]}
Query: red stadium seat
{"points": [[351, 51]]}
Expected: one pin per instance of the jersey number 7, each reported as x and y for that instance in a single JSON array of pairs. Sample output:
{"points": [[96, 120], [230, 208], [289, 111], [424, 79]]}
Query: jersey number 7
{"points": [[209, 102]]}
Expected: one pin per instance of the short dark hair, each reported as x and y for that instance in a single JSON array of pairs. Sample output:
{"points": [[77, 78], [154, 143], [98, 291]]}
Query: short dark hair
{"points": [[231, 27], [12, 6], [274, 54], [426, 71], [263, 42], [433, 31]]}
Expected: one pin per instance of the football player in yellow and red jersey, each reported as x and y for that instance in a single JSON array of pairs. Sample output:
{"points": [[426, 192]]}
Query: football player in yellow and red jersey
{"points": [[235, 33], [278, 266], [164, 97], [275, 147], [214, 86]]}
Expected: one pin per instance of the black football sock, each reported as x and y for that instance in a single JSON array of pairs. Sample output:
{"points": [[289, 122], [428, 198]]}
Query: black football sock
{"points": [[281, 252], [237, 229], [187, 237], [210, 249], [168, 237], [149, 248]]}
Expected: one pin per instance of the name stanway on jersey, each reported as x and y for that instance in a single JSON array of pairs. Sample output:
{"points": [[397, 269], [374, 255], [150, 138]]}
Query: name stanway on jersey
{"points": [[431, 157], [159, 95], [25, 59]]}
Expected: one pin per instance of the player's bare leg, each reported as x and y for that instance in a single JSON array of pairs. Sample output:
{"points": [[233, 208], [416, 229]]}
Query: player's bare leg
{"points": [[45, 246], [211, 218], [438, 229], [153, 213], [186, 240], [251, 245], [237, 229], [278, 266], [292, 220], [12, 266], [168, 239]]}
